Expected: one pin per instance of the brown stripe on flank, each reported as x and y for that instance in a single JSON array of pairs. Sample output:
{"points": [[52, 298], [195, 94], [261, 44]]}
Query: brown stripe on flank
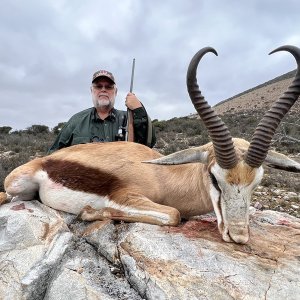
{"points": [[78, 177]]}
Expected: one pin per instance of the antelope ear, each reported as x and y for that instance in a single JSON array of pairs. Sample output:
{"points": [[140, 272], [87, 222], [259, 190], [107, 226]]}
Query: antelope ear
{"points": [[181, 157], [280, 161]]}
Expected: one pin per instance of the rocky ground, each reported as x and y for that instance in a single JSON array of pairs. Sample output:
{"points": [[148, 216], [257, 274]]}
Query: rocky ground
{"points": [[279, 191], [277, 199]]}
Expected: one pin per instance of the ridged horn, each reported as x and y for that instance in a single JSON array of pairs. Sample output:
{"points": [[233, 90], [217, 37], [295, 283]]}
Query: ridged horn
{"points": [[218, 131], [265, 130]]}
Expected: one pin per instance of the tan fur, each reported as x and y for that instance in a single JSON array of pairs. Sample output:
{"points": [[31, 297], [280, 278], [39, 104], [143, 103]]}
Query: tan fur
{"points": [[241, 174], [27, 169], [159, 184], [110, 180], [3, 198]]}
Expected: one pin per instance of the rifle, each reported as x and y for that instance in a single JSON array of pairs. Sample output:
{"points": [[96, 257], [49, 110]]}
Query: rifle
{"points": [[129, 130]]}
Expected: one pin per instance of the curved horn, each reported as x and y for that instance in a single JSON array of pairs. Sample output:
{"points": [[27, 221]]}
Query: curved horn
{"points": [[265, 130], [181, 157], [218, 131]]}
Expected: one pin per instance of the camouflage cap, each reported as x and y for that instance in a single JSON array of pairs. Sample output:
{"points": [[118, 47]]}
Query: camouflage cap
{"points": [[103, 73]]}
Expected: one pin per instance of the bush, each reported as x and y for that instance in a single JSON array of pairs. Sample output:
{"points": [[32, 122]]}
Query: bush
{"points": [[5, 129], [19, 147]]}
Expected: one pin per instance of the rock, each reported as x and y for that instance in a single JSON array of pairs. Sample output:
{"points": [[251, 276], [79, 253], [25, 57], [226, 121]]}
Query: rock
{"points": [[27, 253], [35, 282], [50, 255], [7, 154], [104, 236], [277, 192], [84, 274], [258, 193], [292, 194], [192, 262], [41, 259], [258, 205]]}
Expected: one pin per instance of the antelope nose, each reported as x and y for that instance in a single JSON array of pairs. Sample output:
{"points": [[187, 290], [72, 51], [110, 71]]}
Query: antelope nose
{"points": [[239, 234]]}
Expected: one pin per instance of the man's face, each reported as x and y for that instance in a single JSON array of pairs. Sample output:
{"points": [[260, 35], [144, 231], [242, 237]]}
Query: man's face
{"points": [[104, 93]]}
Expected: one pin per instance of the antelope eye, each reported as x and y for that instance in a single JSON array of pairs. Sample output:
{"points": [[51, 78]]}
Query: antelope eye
{"points": [[214, 181]]}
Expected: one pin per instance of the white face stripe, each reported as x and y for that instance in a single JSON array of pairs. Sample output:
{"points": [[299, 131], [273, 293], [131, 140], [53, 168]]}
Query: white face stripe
{"points": [[215, 198]]}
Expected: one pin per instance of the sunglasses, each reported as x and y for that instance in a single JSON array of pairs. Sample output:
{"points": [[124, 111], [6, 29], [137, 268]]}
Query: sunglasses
{"points": [[103, 86]]}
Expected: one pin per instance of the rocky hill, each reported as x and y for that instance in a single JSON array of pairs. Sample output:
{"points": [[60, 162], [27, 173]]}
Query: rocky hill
{"points": [[260, 97]]}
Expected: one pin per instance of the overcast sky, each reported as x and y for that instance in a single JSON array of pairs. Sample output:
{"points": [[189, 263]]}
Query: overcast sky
{"points": [[49, 50]]}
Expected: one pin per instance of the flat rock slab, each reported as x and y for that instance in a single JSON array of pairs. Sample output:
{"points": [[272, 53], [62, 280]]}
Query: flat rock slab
{"points": [[192, 262], [45, 254], [42, 258]]}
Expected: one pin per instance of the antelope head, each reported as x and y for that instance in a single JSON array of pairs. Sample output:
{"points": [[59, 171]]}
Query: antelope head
{"points": [[233, 165]]}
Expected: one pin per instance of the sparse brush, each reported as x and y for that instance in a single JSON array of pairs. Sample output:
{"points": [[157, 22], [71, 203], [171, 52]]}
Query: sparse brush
{"points": [[172, 135]]}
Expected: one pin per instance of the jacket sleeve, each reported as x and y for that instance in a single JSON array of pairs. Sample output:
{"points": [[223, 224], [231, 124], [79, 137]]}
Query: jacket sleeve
{"points": [[143, 129], [63, 139]]}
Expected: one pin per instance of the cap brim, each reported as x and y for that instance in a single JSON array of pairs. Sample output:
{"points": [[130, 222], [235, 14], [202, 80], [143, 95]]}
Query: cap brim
{"points": [[104, 77]]}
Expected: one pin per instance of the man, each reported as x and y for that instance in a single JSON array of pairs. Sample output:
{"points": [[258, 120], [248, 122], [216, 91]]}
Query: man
{"points": [[104, 123]]}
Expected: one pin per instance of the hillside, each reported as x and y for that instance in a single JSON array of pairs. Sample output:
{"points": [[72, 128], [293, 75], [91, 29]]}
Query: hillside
{"points": [[260, 97], [241, 113]]}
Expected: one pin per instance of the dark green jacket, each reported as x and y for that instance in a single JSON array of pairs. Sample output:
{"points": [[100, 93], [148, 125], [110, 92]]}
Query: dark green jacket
{"points": [[86, 126]]}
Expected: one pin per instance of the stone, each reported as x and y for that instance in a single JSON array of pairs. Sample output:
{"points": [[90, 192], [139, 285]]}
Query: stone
{"points": [[50, 255], [104, 236], [83, 274], [27, 230], [292, 194], [277, 192], [192, 262], [258, 205]]}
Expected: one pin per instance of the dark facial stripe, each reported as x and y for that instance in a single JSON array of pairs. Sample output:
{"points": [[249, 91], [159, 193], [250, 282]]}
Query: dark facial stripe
{"points": [[214, 182], [77, 177]]}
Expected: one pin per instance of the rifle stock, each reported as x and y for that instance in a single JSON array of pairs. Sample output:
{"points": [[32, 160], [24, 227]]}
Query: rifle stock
{"points": [[130, 129]]}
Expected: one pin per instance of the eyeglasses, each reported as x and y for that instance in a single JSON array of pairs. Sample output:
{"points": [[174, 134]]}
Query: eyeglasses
{"points": [[103, 86]]}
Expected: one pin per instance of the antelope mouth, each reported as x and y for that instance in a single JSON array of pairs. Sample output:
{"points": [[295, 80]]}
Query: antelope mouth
{"points": [[236, 233]]}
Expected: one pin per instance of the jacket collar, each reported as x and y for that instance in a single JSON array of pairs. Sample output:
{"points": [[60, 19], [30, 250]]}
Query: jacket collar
{"points": [[111, 117]]}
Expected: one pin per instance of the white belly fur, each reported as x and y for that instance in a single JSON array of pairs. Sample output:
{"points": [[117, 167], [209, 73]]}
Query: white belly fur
{"points": [[62, 198]]}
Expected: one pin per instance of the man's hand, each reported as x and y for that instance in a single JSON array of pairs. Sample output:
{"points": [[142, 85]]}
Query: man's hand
{"points": [[132, 102]]}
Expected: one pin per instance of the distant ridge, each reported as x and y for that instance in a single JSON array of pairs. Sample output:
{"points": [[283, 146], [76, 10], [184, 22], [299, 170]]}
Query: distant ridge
{"points": [[260, 97], [285, 76]]}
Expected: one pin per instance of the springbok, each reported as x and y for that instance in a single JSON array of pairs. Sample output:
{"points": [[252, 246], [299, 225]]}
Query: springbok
{"points": [[130, 182]]}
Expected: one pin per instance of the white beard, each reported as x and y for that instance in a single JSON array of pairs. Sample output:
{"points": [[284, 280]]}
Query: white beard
{"points": [[102, 103]]}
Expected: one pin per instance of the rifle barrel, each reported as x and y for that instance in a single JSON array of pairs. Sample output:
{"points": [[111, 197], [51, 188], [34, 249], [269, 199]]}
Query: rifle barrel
{"points": [[132, 75]]}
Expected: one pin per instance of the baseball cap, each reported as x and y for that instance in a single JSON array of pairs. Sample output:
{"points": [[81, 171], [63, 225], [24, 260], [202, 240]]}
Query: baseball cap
{"points": [[103, 73]]}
